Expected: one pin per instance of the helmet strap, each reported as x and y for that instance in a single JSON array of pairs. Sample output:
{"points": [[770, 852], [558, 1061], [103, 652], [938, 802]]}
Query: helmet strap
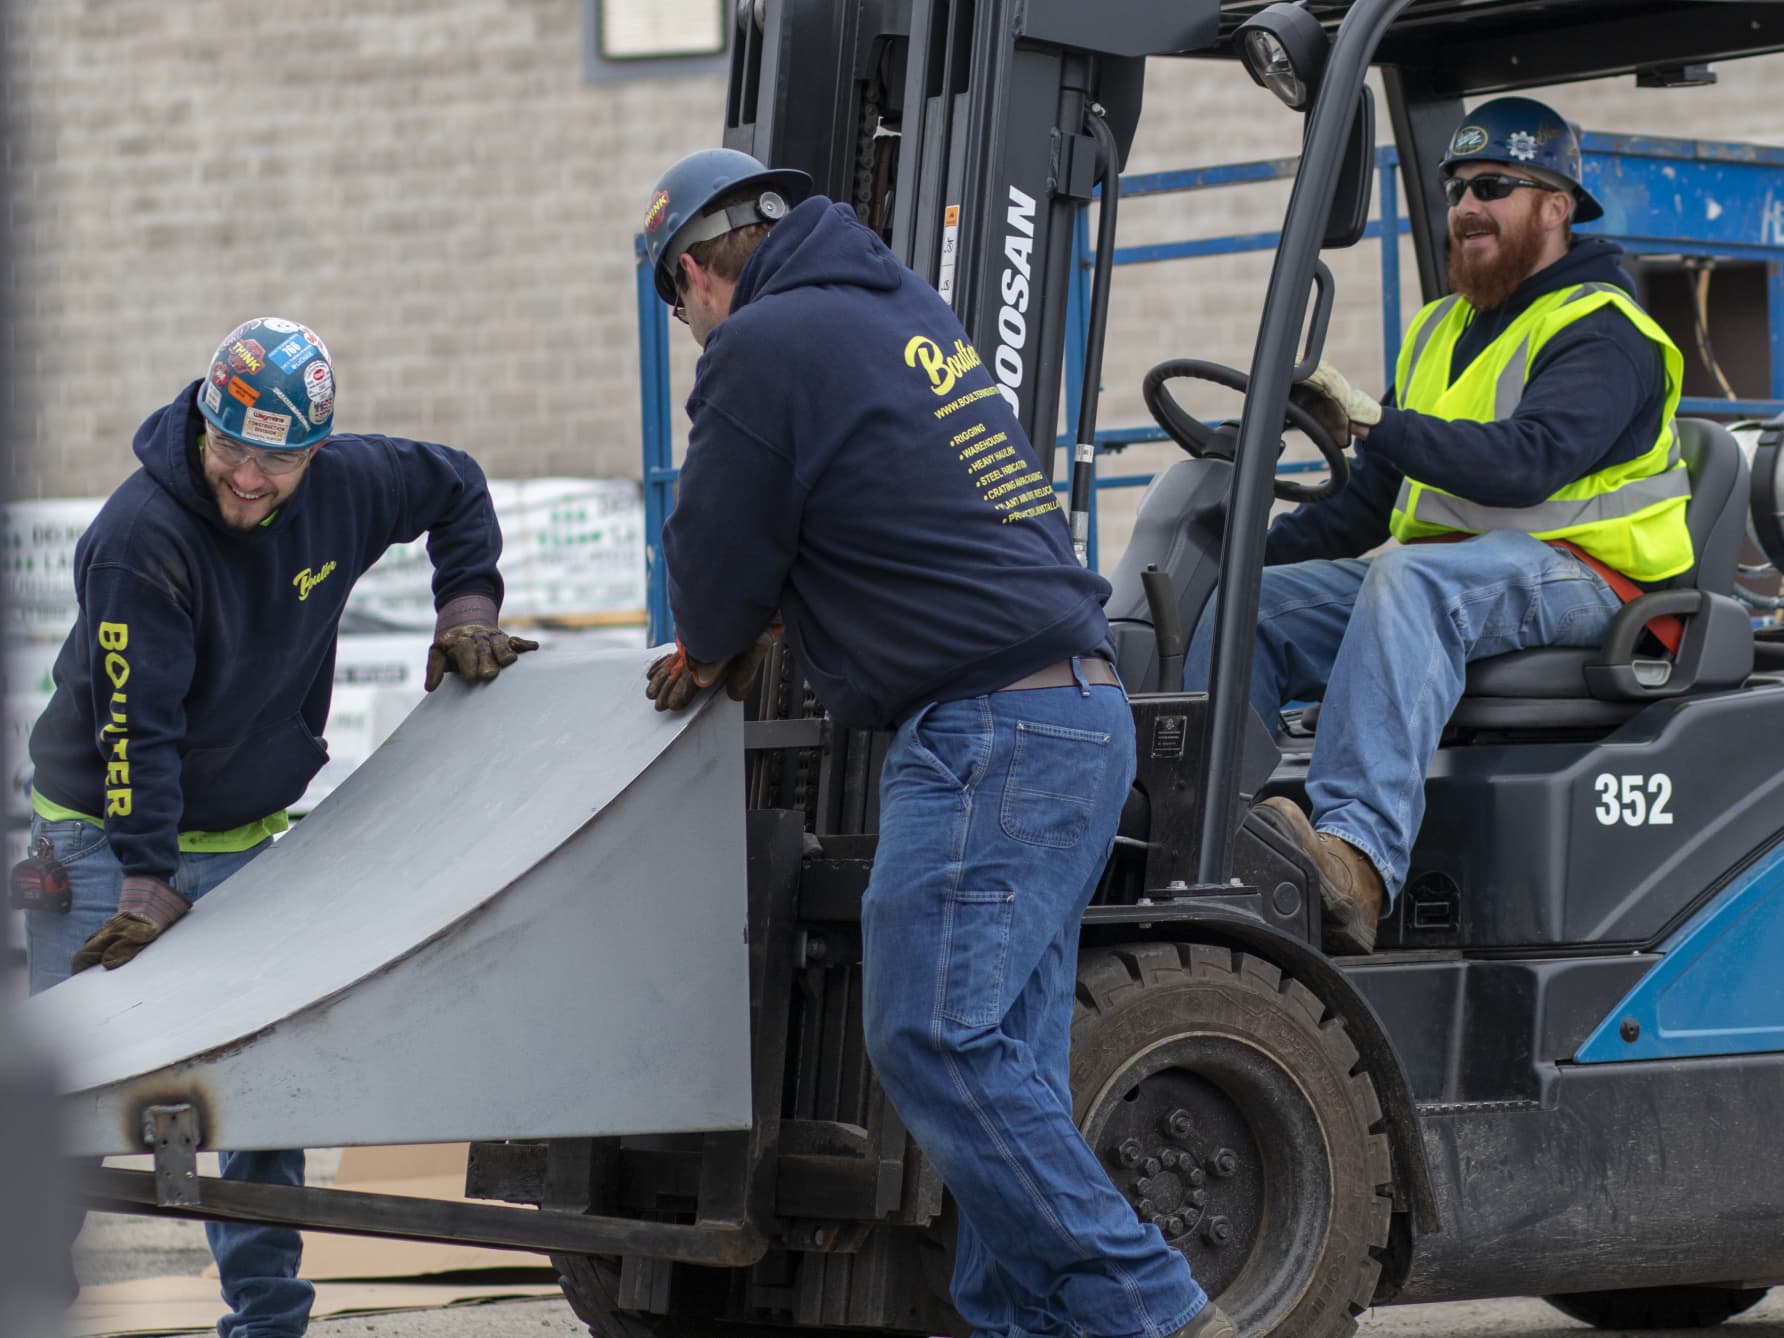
{"points": [[769, 207]]}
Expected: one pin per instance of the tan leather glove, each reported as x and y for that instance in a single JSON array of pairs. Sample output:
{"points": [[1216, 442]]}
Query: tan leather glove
{"points": [[1331, 396], [675, 678], [745, 667], [468, 642], [146, 907]]}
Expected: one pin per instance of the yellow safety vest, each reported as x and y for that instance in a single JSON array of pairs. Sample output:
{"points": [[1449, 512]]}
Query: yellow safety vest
{"points": [[1631, 516]]}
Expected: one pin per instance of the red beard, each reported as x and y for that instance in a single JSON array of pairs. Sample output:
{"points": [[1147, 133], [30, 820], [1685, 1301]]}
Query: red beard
{"points": [[1487, 281]]}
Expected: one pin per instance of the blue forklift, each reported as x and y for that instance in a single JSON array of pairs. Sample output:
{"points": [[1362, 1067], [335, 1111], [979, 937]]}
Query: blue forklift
{"points": [[1559, 1072]]}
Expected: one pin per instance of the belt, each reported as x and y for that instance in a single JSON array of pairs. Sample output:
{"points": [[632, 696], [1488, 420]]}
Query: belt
{"points": [[1094, 668]]}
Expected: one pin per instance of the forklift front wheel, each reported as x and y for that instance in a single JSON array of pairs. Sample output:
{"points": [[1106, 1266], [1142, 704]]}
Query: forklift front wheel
{"points": [[1222, 1100]]}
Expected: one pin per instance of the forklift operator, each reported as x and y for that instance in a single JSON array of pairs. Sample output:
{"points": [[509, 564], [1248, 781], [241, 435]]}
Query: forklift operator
{"points": [[851, 465], [1527, 462], [192, 693]]}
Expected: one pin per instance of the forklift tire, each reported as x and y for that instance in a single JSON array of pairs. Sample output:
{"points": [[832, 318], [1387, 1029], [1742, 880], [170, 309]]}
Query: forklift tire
{"points": [[1188, 1063], [1658, 1307], [591, 1286]]}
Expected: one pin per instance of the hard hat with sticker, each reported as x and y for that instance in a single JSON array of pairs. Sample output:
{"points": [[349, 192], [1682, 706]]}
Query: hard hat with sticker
{"points": [[681, 212], [1523, 132], [270, 384]]}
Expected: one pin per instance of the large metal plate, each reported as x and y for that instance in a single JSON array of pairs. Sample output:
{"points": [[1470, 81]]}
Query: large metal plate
{"points": [[524, 916]]}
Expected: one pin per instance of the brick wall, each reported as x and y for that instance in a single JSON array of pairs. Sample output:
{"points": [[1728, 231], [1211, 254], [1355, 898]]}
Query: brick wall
{"points": [[439, 192]]}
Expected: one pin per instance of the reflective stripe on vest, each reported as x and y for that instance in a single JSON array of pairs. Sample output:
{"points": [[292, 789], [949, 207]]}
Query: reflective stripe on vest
{"points": [[1630, 516]]}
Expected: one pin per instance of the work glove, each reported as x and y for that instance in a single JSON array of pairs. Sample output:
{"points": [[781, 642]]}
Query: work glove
{"points": [[675, 678], [1335, 403], [145, 910], [468, 642]]}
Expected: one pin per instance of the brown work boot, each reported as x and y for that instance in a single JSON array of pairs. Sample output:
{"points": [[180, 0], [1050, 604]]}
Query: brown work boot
{"points": [[1350, 889], [1210, 1322]]}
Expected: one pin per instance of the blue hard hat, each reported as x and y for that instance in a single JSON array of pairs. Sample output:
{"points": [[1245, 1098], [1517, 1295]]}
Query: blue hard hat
{"points": [[1522, 132], [271, 384], [678, 215]]}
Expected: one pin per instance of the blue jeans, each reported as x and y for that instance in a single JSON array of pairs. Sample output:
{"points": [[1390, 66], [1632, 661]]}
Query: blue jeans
{"points": [[1385, 642], [997, 815], [257, 1265]]}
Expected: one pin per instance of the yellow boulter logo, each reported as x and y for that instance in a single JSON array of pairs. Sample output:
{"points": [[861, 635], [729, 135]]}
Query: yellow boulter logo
{"points": [[114, 640], [305, 581], [943, 370]]}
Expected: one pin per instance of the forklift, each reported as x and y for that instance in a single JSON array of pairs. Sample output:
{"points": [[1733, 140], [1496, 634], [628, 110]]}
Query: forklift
{"points": [[1558, 1073], [1554, 1077]]}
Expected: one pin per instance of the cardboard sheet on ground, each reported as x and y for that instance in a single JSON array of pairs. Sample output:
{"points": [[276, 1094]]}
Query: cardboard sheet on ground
{"points": [[190, 1305], [410, 1275], [430, 1171]]}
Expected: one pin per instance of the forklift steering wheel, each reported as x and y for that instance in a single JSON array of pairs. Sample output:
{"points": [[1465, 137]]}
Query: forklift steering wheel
{"points": [[1199, 439]]}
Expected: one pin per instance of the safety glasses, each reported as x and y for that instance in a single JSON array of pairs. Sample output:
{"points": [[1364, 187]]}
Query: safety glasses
{"points": [[271, 463], [1488, 186]]}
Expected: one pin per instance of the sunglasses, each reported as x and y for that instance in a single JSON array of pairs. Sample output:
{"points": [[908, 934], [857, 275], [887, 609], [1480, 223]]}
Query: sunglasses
{"points": [[233, 454], [1488, 186]]}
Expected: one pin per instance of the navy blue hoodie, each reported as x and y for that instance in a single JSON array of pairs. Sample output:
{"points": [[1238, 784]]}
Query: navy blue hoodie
{"points": [[1593, 399], [852, 464], [194, 689]]}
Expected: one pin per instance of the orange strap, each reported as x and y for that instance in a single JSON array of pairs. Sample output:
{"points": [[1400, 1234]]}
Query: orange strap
{"points": [[1667, 629]]}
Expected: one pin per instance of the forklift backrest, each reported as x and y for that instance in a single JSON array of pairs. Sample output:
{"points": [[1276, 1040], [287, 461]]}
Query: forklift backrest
{"points": [[1717, 511]]}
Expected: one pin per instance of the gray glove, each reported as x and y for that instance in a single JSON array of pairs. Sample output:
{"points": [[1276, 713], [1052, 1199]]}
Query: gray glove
{"points": [[468, 642], [146, 908]]}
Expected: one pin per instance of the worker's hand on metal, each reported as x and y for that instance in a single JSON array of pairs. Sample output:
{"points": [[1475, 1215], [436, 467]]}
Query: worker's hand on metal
{"points": [[677, 676], [145, 910], [468, 642], [1336, 403], [474, 651]]}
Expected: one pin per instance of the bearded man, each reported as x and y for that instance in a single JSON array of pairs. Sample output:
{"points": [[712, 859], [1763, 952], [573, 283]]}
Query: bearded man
{"points": [[1526, 460]]}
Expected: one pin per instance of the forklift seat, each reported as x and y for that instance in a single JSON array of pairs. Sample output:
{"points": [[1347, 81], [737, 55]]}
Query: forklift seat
{"points": [[1568, 687]]}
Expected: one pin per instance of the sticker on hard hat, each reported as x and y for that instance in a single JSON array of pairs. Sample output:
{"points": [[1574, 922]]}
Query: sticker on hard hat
{"points": [[278, 326], [262, 425], [319, 385], [242, 391], [319, 382], [1469, 139], [287, 401], [657, 211], [1521, 144], [213, 399], [294, 353], [219, 374], [246, 355]]}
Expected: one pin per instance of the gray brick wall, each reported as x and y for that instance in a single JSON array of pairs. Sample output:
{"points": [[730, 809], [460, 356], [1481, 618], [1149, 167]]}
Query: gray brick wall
{"points": [[439, 192]]}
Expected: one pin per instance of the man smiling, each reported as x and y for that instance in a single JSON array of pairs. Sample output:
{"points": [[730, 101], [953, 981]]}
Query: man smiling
{"points": [[192, 694], [1531, 429]]}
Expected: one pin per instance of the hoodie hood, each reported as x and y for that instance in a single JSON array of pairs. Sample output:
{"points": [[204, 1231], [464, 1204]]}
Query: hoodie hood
{"points": [[167, 445], [819, 243], [1588, 260]]}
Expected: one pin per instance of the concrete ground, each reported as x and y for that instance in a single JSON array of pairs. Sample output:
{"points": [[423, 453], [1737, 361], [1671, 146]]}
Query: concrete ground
{"points": [[116, 1248]]}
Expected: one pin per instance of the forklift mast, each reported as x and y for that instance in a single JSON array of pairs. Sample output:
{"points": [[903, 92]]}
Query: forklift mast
{"points": [[958, 130]]}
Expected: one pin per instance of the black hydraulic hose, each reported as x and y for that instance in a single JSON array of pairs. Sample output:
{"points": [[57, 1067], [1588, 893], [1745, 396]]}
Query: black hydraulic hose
{"points": [[1084, 456]]}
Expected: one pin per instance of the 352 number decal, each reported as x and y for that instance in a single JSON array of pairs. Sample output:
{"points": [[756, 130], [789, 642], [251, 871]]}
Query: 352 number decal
{"points": [[1634, 801]]}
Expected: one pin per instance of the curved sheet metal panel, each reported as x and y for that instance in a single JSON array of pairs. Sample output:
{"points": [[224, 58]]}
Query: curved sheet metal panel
{"points": [[524, 916]]}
